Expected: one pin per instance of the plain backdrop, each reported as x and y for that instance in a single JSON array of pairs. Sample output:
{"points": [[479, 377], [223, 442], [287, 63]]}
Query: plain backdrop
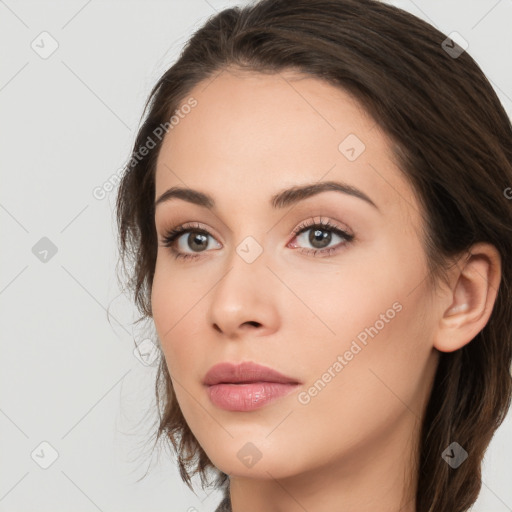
{"points": [[75, 401]]}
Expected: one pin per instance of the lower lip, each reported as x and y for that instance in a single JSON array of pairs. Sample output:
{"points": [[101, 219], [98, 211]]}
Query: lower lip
{"points": [[247, 397]]}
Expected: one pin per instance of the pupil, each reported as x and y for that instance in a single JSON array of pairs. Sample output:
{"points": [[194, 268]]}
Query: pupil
{"points": [[320, 236]]}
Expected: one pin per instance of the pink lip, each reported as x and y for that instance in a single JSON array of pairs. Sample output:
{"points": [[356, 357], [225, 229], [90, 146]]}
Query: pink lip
{"points": [[246, 386]]}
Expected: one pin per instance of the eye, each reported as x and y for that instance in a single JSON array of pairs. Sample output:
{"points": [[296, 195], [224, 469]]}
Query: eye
{"points": [[196, 239], [192, 237], [320, 237]]}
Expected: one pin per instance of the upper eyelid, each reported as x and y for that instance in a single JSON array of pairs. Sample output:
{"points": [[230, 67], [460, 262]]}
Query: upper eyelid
{"points": [[327, 224]]}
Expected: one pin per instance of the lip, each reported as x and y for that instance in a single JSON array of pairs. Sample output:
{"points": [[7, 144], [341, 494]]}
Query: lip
{"points": [[246, 386], [231, 373]]}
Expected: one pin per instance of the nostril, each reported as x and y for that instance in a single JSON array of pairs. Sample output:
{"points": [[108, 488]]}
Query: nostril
{"points": [[255, 324]]}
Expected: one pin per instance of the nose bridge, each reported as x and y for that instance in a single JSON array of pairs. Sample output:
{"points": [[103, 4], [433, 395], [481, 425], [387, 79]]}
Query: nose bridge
{"points": [[248, 239], [243, 294], [250, 249], [245, 270]]}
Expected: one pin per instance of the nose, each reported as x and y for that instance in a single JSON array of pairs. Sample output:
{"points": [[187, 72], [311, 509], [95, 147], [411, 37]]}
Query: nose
{"points": [[243, 302]]}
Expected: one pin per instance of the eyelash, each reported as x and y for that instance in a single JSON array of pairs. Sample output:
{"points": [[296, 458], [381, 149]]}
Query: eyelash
{"points": [[172, 235]]}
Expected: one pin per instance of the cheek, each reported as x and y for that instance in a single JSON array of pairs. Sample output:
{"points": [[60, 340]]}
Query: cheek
{"points": [[176, 301], [355, 391], [175, 292], [335, 302], [373, 316]]}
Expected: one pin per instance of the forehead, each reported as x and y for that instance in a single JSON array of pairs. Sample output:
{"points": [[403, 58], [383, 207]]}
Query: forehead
{"points": [[252, 134]]}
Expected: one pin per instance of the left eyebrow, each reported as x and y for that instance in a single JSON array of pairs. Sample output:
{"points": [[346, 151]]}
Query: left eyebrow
{"points": [[280, 200]]}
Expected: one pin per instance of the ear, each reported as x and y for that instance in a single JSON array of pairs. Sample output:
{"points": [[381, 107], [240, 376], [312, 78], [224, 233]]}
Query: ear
{"points": [[471, 297]]}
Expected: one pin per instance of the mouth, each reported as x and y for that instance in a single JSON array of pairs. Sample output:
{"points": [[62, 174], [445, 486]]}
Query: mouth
{"points": [[246, 386], [247, 396]]}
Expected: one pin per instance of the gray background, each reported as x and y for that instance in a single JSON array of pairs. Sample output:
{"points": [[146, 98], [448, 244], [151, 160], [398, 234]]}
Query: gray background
{"points": [[68, 373]]}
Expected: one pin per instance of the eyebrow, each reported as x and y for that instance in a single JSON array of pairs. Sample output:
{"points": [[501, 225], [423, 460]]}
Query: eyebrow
{"points": [[280, 200]]}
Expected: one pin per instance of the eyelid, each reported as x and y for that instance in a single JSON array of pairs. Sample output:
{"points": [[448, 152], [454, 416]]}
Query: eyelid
{"points": [[325, 222], [188, 227]]}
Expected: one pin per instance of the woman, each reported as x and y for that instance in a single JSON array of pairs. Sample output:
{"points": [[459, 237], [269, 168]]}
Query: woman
{"points": [[316, 209]]}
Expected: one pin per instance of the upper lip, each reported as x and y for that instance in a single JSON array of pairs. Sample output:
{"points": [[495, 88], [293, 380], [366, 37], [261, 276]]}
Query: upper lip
{"points": [[244, 372]]}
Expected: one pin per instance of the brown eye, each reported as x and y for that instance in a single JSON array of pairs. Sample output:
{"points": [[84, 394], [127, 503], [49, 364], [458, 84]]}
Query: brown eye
{"points": [[319, 236], [196, 241]]}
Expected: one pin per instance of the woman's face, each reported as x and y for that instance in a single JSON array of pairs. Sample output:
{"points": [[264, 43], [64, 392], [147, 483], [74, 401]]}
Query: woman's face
{"points": [[351, 323]]}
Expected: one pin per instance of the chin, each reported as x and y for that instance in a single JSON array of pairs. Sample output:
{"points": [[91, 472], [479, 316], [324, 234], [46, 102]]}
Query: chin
{"points": [[246, 459]]}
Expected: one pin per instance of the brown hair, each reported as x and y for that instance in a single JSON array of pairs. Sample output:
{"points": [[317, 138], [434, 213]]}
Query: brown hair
{"points": [[451, 138]]}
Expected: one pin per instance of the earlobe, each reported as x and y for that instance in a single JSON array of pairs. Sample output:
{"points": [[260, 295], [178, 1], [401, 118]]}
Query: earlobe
{"points": [[471, 298]]}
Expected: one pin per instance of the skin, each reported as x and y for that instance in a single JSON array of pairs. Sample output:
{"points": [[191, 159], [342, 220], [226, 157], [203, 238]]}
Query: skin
{"points": [[351, 447]]}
